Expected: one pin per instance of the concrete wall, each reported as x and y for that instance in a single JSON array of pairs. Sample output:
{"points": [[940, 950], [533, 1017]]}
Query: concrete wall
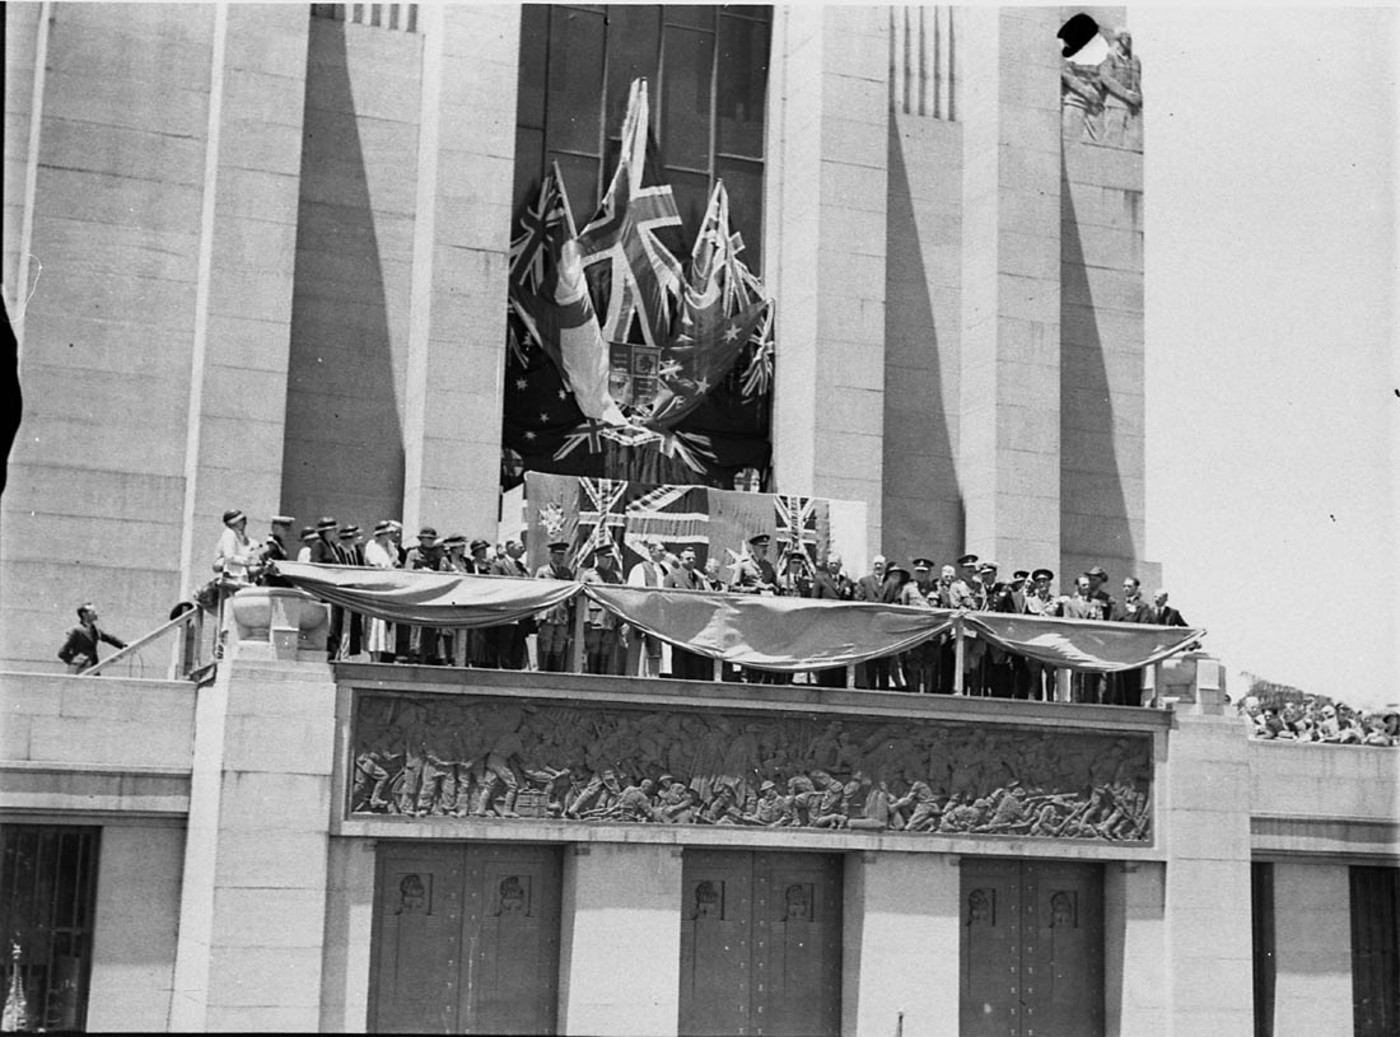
{"points": [[134, 931], [108, 333], [1312, 949], [88, 722], [826, 223], [343, 453]]}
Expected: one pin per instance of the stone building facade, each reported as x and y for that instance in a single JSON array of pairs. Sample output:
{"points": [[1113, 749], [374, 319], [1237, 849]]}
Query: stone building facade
{"points": [[263, 251]]}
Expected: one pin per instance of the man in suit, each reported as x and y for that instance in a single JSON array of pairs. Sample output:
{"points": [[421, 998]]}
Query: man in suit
{"points": [[1125, 687], [871, 588], [830, 583], [79, 649], [688, 666], [1167, 615], [352, 552], [513, 653]]}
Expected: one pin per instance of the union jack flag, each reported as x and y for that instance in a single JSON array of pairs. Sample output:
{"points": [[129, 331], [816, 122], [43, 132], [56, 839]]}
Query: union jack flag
{"points": [[797, 523], [679, 516], [621, 250], [589, 433], [601, 509], [758, 374]]}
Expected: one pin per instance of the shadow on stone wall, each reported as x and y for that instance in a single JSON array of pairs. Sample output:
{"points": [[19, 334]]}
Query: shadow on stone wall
{"points": [[1094, 522], [923, 507], [343, 452]]}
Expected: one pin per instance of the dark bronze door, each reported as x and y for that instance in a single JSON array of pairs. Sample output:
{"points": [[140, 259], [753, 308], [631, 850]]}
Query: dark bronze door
{"points": [[1032, 949], [466, 939], [760, 944]]}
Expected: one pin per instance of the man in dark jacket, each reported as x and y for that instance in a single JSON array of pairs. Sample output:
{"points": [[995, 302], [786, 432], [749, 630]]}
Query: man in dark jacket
{"points": [[79, 649]]}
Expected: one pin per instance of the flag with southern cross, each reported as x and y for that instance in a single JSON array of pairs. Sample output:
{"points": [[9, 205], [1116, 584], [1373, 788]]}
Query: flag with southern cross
{"points": [[632, 271]]}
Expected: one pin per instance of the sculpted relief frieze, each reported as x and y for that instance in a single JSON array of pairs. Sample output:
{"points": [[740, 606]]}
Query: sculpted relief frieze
{"points": [[442, 756]]}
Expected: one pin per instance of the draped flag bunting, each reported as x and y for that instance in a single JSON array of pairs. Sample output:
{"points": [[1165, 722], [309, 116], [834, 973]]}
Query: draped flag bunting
{"points": [[774, 633]]}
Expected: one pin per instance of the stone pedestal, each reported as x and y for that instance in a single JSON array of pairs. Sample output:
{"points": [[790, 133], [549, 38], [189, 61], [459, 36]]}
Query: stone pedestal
{"points": [[277, 623], [621, 903], [900, 947]]}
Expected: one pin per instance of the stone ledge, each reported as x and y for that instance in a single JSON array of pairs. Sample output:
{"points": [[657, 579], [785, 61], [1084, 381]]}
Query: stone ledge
{"points": [[582, 689], [94, 788], [1277, 836], [736, 837]]}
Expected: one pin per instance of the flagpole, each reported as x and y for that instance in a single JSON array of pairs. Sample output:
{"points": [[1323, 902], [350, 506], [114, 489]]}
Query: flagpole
{"points": [[564, 200], [958, 654]]}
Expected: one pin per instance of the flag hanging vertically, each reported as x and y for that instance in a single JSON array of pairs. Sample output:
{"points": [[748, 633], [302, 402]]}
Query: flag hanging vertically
{"points": [[631, 270], [718, 315], [550, 297]]}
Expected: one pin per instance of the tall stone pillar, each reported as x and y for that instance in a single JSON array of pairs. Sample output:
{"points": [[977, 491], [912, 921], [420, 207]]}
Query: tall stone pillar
{"points": [[828, 134], [620, 896], [1204, 826], [1009, 432], [249, 955], [456, 360], [901, 944], [243, 291]]}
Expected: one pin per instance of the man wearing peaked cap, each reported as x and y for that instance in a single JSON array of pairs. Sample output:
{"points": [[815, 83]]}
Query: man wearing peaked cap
{"points": [[556, 623], [755, 573], [274, 549]]}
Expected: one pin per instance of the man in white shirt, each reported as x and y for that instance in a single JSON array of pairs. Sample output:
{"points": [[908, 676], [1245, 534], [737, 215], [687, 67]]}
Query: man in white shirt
{"points": [[644, 653]]}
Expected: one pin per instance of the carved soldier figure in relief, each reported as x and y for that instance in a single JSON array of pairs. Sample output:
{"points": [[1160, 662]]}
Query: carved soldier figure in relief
{"points": [[1121, 78]]}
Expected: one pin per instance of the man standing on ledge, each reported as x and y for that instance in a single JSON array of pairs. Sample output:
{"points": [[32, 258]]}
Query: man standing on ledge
{"points": [[79, 650]]}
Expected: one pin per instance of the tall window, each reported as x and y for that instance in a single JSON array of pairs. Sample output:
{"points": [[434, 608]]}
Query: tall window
{"points": [[48, 880], [707, 67]]}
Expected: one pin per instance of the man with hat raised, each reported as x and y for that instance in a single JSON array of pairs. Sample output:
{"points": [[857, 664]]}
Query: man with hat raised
{"points": [[755, 573], [600, 633], [555, 624]]}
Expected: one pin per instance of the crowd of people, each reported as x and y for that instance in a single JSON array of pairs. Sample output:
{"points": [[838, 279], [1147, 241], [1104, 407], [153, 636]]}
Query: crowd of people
{"points": [[1317, 719], [610, 647]]}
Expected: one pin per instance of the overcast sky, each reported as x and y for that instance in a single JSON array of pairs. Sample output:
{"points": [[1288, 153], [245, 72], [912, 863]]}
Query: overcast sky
{"points": [[1273, 420]]}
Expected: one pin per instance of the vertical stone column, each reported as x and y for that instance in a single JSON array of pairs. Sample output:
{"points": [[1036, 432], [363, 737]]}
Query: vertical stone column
{"points": [[456, 360], [1009, 435], [620, 896], [825, 216], [1204, 825], [1102, 334], [349, 932], [900, 944], [253, 897], [1312, 949], [1135, 998], [243, 291]]}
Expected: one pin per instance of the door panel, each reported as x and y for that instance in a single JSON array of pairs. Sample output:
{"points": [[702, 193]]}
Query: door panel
{"points": [[760, 943], [515, 964], [797, 944], [1032, 949], [467, 939], [418, 911], [716, 888]]}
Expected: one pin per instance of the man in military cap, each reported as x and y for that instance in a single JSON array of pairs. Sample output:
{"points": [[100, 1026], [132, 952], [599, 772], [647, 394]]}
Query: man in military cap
{"points": [[921, 661], [555, 624], [756, 574], [1041, 601], [601, 633], [998, 678], [424, 645]]}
